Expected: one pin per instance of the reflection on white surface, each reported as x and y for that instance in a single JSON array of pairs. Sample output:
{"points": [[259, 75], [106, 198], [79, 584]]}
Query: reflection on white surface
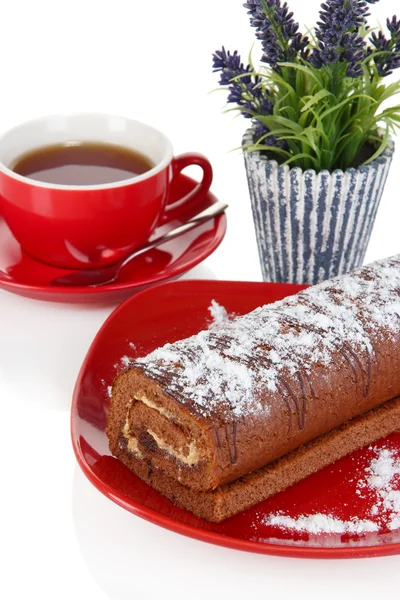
{"points": [[199, 272], [41, 367], [115, 545], [56, 349], [113, 542]]}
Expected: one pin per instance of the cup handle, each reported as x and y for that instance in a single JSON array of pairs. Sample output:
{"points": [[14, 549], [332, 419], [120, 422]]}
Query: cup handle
{"points": [[174, 210]]}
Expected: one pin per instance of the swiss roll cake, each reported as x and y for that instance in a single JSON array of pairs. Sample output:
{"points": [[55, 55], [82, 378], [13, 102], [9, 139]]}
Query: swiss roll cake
{"points": [[224, 419]]}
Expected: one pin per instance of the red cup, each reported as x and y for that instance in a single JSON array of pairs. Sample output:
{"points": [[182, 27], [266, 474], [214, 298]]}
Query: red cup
{"points": [[76, 226]]}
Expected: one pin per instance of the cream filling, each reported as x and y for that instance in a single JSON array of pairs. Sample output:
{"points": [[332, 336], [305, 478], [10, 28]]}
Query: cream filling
{"points": [[190, 459], [133, 445], [143, 398]]}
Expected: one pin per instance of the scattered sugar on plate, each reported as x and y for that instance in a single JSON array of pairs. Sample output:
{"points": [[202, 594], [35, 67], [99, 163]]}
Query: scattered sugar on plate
{"points": [[381, 478], [219, 315], [124, 361], [320, 523]]}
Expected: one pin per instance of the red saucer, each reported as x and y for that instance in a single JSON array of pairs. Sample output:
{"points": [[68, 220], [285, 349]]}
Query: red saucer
{"points": [[26, 276], [170, 312]]}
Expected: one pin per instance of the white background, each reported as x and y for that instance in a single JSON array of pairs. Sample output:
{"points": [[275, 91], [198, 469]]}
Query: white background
{"points": [[150, 60]]}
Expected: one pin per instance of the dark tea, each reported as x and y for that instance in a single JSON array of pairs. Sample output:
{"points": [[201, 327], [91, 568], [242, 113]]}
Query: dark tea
{"points": [[81, 163]]}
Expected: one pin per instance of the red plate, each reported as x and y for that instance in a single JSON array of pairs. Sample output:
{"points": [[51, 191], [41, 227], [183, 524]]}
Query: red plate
{"points": [[22, 274], [170, 312]]}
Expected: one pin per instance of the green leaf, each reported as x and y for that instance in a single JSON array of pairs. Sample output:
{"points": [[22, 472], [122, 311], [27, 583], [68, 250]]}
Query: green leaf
{"points": [[306, 69], [335, 108], [310, 135], [324, 117], [250, 57], [317, 98], [257, 147], [326, 159], [385, 92], [289, 112], [381, 148], [302, 155], [282, 134], [290, 125]]}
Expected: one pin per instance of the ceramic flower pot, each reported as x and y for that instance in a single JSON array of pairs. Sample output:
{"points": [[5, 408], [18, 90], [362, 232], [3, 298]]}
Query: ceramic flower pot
{"points": [[310, 226]]}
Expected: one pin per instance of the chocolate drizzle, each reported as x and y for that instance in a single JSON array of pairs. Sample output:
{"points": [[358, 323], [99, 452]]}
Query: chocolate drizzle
{"points": [[285, 399], [230, 435], [295, 403], [293, 398], [302, 412], [359, 372], [217, 438], [274, 355]]}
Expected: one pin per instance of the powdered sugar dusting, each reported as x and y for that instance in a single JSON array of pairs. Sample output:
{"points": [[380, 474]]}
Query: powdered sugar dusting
{"points": [[124, 362], [238, 365], [381, 480], [320, 523], [383, 474], [219, 315]]}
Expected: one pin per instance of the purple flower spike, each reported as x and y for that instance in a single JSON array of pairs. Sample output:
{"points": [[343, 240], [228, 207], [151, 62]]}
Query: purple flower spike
{"points": [[277, 31], [337, 34], [244, 89], [230, 66], [388, 57], [393, 25]]}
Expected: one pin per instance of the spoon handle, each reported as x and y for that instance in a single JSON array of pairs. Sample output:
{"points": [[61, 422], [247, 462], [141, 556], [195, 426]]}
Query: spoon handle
{"points": [[103, 275], [208, 213]]}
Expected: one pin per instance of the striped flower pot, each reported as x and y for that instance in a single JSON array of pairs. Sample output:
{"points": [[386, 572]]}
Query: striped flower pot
{"points": [[310, 226]]}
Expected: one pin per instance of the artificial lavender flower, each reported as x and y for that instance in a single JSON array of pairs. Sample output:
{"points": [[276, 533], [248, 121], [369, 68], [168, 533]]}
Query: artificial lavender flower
{"points": [[353, 53], [244, 89], [275, 27], [388, 50], [315, 120], [230, 66], [337, 35]]}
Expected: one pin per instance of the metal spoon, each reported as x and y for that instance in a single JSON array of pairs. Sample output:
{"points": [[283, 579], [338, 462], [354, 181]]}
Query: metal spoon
{"points": [[103, 275]]}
